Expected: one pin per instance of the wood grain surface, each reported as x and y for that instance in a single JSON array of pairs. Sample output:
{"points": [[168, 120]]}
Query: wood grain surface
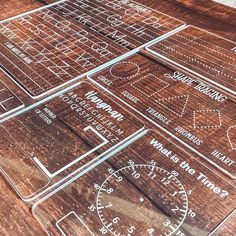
{"points": [[16, 216], [187, 13], [178, 102], [211, 56], [58, 135], [132, 178], [14, 7], [86, 43], [25, 144], [223, 12]]}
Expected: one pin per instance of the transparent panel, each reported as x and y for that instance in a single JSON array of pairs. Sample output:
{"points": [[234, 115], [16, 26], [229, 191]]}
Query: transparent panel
{"points": [[48, 48], [9, 102], [152, 187], [44, 144], [202, 53], [198, 114], [227, 227]]}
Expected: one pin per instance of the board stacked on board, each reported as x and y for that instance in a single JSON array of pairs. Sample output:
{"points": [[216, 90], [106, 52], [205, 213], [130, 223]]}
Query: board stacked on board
{"points": [[118, 118]]}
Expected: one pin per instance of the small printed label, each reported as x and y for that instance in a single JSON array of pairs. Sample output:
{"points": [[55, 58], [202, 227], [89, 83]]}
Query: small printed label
{"points": [[50, 141]]}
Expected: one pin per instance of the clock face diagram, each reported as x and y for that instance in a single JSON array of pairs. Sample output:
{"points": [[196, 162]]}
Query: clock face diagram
{"points": [[140, 192], [142, 199]]}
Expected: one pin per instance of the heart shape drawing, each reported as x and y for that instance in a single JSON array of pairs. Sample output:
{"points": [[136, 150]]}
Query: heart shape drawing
{"points": [[231, 134]]}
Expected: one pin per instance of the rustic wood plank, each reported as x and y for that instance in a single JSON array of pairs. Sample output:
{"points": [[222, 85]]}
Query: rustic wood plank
{"points": [[200, 115], [51, 47], [53, 140], [10, 8], [222, 12], [186, 11], [124, 189], [9, 101], [16, 216], [213, 17], [228, 225], [205, 54]]}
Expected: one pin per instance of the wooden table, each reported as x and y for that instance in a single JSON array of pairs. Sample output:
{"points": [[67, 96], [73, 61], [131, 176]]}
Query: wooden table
{"points": [[15, 216]]}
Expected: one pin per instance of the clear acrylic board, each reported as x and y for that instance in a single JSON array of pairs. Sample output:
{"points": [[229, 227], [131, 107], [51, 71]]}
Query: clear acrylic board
{"points": [[203, 53], [49, 48], [44, 144], [179, 104], [152, 187]]}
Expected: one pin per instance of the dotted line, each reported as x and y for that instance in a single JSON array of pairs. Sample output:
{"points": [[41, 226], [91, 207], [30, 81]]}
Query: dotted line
{"points": [[206, 126], [208, 48], [191, 59], [125, 62], [233, 145], [152, 94], [173, 98]]}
